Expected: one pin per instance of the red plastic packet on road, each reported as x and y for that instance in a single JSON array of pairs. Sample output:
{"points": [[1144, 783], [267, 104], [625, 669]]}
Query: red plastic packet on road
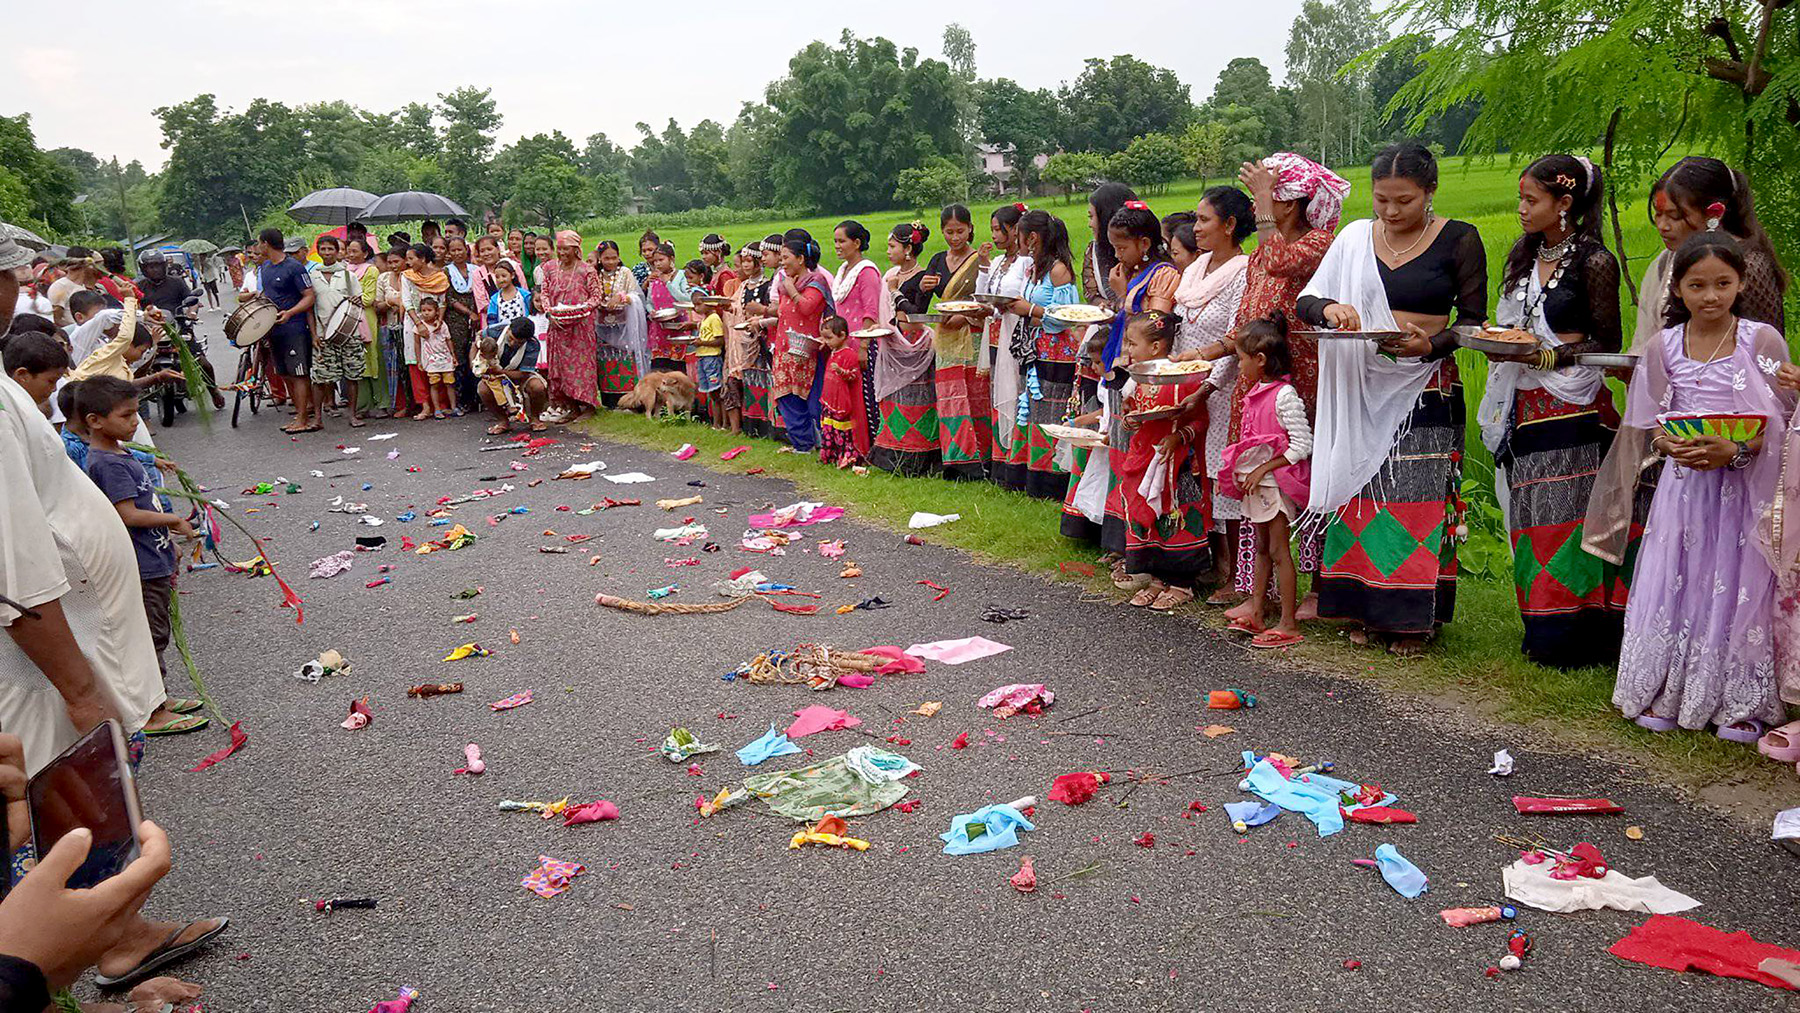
{"points": [[1528, 804]]}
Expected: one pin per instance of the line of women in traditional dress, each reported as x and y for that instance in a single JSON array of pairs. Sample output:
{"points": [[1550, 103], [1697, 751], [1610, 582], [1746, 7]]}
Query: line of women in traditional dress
{"points": [[1597, 503]]}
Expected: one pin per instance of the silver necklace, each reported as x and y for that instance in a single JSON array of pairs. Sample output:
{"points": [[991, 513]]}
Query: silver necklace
{"points": [[1548, 253]]}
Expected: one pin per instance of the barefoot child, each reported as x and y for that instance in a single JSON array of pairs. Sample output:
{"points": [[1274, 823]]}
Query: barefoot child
{"points": [[435, 357], [709, 359], [1267, 468], [842, 392]]}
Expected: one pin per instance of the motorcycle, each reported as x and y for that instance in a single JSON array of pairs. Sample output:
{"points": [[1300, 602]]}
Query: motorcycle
{"points": [[171, 396]]}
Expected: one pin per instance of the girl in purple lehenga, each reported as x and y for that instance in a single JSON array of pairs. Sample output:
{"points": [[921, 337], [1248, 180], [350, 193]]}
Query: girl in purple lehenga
{"points": [[1698, 647]]}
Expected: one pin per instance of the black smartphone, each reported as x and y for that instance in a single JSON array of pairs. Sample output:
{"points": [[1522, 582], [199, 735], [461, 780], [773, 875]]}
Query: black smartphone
{"points": [[89, 785]]}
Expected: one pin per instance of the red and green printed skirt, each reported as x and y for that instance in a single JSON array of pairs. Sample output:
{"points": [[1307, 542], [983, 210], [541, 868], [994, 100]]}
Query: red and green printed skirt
{"points": [[618, 374], [1390, 553], [907, 442], [756, 417], [1572, 603], [965, 423], [1170, 546], [1049, 405]]}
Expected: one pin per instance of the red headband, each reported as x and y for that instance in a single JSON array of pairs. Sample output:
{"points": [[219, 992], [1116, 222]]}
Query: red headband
{"points": [[1137, 205]]}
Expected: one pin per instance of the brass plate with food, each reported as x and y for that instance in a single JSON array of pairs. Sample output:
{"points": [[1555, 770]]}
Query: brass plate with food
{"points": [[1074, 434], [1080, 313], [1497, 340], [1155, 414], [959, 306], [1165, 372]]}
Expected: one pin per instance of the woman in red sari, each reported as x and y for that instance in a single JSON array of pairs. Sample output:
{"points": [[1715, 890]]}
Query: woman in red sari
{"points": [[1298, 203], [797, 382], [569, 296]]}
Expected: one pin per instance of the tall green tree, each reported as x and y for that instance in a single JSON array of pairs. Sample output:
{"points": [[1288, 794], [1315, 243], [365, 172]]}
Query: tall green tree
{"points": [[49, 184], [526, 153], [1114, 101], [1026, 121], [601, 157], [750, 161], [552, 192], [225, 166], [708, 172], [395, 170], [415, 129], [1245, 83], [1640, 79], [84, 164], [470, 119], [852, 116], [659, 167], [1331, 85]]}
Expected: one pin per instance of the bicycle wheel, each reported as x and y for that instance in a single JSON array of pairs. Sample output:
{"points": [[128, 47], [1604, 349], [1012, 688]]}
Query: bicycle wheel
{"points": [[243, 373]]}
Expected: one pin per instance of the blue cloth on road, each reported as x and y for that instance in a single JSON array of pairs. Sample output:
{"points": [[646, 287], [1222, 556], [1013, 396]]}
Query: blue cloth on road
{"points": [[1251, 814], [994, 827], [772, 744], [1315, 802], [1402, 875]]}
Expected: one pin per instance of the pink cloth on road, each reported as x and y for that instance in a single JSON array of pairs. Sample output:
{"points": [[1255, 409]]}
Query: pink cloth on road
{"points": [[796, 515], [552, 876], [590, 812], [901, 663], [955, 652], [516, 700], [816, 718], [1009, 700]]}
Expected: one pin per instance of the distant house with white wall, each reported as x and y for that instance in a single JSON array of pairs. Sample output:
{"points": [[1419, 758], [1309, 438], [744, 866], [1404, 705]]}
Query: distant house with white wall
{"points": [[997, 165]]}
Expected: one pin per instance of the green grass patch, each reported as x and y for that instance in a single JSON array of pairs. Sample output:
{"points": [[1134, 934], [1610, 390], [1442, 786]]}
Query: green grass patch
{"points": [[1475, 664]]}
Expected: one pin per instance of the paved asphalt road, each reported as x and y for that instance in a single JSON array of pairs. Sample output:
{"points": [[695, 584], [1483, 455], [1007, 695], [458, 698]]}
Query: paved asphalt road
{"points": [[679, 914]]}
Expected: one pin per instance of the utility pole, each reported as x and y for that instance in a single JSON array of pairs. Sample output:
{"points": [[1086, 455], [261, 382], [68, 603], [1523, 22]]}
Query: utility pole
{"points": [[124, 214]]}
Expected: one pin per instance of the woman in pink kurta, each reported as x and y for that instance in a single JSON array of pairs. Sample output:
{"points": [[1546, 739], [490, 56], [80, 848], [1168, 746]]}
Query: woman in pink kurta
{"points": [[570, 295]]}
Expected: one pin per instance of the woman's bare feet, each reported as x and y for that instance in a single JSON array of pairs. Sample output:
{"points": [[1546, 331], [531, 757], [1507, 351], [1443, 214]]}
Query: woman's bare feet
{"points": [[1308, 609]]}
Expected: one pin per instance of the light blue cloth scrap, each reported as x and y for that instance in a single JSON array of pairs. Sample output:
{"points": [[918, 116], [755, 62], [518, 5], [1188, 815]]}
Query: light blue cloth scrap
{"points": [[1315, 802], [1406, 878], [1251, 814], [999, 827], [772, 744]]}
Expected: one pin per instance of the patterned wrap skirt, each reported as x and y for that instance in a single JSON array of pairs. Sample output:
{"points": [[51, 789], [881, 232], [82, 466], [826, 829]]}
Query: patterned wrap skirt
{"points": [[618, 367], [1390, 553], [1050, 395], [907, 442], [965, 422], [1572, 603]]}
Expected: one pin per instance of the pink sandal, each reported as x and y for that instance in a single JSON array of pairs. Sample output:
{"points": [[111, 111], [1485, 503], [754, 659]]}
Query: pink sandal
{"points": [[1781, 744], [1277, 638]]}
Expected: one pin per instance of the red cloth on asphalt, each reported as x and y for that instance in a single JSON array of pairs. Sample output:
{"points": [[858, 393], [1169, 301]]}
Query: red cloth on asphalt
{"points": [[1679, 944]]}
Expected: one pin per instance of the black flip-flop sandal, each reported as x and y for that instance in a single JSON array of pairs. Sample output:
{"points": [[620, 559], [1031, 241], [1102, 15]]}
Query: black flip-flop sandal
{"points": [[162, 956]]}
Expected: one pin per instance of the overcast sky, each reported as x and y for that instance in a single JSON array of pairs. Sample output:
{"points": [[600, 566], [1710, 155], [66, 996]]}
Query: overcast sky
{"points": [[90, 76]]}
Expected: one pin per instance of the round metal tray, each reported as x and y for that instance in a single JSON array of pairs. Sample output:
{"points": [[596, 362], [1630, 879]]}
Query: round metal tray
{"points": [[1607, 360]]}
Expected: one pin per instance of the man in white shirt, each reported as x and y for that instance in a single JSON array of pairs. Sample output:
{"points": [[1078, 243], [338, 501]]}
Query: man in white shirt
{"points": [[80, 270]]}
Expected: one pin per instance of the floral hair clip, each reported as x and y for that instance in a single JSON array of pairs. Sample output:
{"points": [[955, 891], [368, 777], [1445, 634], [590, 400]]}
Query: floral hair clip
{"points": [[1137, 205], [1715, 213], [918, 233], [1020, 207]]}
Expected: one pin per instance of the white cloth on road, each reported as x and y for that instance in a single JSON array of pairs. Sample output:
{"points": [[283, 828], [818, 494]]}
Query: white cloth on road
{"points": [[1531, 884]]}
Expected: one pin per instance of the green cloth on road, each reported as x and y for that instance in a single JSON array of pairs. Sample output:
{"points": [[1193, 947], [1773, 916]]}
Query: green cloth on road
{"points": [[833, 787]]}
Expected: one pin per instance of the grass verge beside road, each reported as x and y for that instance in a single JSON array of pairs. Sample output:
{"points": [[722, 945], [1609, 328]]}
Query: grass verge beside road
{"points": [[1475, 665]]}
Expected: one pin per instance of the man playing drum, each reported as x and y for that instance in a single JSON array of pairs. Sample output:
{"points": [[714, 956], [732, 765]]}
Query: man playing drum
{"points": [[288, 285], [338, 351]]}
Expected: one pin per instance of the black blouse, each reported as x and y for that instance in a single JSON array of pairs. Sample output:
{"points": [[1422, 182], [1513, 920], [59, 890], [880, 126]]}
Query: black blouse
{"points": [[1585, 301], [1449, 279], [908, 298]]}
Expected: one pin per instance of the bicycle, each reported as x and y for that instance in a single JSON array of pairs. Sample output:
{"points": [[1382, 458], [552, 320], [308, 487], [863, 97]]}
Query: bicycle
{"points": [[250, 385]]}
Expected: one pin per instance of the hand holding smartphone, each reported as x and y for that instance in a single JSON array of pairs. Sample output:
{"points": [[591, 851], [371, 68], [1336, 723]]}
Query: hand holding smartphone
{"points": [[90, 785]]}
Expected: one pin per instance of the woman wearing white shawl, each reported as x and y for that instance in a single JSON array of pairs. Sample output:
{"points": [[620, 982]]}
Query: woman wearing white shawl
{"points": [[621, 328], [1390, 414], [1213, 276], [1005, 275], [1549, 422]]}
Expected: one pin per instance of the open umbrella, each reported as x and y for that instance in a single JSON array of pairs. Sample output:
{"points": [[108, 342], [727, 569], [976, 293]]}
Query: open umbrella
{"points": [[411, 206], [337, 206], [199, 247], [24, 237]]}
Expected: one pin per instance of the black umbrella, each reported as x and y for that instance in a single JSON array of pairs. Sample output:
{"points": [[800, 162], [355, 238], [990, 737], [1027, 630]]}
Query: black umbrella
{"points": [[411, 206], [337, 206]]}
